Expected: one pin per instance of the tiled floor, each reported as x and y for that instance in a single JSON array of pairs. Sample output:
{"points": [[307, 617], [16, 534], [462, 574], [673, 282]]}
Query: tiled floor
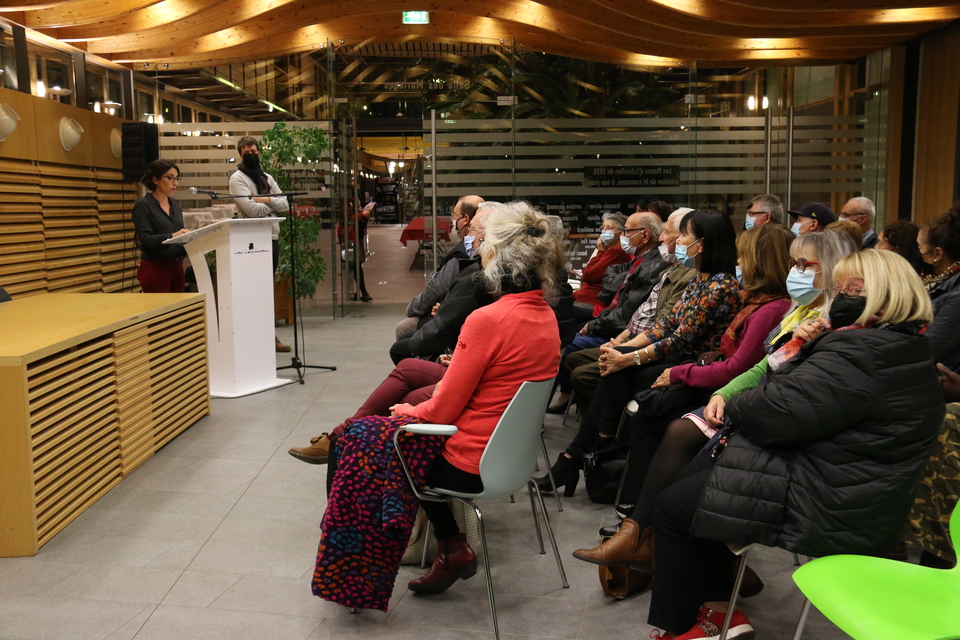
{"points": [[215, 536]]}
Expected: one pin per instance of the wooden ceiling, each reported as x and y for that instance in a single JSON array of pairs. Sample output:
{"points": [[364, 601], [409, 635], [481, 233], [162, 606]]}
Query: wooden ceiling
{"points": [[190, 34]]}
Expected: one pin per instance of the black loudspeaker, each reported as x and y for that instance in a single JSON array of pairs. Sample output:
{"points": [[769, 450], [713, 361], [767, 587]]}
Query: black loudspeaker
{"points": [[141, 146]]}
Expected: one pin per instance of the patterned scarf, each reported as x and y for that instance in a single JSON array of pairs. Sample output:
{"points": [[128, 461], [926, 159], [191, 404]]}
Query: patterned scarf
{"points": [[931, 281], [751, 302]]}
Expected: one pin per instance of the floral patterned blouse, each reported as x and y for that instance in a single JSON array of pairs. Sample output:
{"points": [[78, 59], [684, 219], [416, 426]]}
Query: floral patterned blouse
{"points": [[706, 308]]}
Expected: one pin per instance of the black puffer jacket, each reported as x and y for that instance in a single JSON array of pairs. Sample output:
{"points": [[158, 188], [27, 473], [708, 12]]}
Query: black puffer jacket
{"points": [[829, 451]]}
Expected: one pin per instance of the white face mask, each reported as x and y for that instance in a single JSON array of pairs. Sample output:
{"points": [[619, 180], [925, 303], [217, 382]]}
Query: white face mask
{"points": [[606, 236], [665, 252], [626, 246], [468, 243]]}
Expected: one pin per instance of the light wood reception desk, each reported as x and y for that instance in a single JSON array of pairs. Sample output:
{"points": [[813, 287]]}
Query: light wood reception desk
{"points": [[91, 385]]}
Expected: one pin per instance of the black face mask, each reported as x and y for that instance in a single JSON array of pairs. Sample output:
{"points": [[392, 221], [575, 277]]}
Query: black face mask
{"points": [[845, 310], [251, 160]]}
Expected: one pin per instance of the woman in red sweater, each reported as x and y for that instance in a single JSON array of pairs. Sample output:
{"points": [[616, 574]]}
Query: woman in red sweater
{"points": [[608, 254], [501, 345]]}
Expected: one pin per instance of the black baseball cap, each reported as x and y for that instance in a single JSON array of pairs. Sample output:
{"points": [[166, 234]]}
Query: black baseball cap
{"points": [[816, 210]]}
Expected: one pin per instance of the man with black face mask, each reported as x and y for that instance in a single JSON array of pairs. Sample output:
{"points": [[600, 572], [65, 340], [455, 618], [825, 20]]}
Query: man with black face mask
{"points": [[250, 179]]}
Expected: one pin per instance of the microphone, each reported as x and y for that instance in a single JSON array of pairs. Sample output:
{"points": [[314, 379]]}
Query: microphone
{"points": [[212, 194]]}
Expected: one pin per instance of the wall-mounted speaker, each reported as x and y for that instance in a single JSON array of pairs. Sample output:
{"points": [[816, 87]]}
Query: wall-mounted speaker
{"points": [[140, 145]]}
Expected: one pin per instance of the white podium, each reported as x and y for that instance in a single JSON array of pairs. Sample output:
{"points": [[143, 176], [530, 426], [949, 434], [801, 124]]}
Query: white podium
{"points": [[240, 332]]}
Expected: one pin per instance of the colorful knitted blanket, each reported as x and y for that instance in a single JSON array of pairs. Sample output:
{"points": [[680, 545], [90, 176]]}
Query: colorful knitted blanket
{"points": [[370, 513]]}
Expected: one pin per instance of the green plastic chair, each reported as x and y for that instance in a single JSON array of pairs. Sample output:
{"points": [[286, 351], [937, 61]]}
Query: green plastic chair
{"points": [[880, 599]]}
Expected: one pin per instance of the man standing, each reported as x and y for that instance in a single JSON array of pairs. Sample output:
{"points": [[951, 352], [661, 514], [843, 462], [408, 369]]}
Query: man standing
{"points": [[862, 211], [442, 279], [765, 208], [250, 179], [813, 216]]}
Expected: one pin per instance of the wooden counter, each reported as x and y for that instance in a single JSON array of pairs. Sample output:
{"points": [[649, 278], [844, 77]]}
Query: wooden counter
{"points": [[91, 385]]}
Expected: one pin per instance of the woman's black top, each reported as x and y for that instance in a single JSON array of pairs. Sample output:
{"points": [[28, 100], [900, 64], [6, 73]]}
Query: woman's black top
{"points": [[154, 226]]}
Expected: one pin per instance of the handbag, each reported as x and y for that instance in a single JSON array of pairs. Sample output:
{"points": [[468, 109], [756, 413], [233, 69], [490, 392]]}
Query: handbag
{"points": [[602, 471], [466, 519]]}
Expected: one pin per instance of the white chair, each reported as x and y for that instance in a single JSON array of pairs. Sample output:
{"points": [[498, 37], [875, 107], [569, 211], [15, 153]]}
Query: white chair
{"points": [[508, 462]]}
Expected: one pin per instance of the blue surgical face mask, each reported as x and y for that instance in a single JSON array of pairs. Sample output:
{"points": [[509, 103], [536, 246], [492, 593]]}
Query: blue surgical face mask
{"points": [[625, 245], [800, 286], [740, 275], [680, 252], [606, 236], [468, 242], [749, 222], [796, 228]]}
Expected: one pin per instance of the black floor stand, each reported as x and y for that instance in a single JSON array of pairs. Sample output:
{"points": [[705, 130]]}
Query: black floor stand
{"points": [[295, 362]]}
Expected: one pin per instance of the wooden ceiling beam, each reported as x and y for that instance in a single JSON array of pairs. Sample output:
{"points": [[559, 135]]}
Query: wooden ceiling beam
{"points": [[76, 12], [168, 13]]}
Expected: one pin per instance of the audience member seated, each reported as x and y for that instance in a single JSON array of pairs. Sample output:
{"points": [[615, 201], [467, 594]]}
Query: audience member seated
{"points": [[608, 253], [419, 309], [901, 238], [765, 208], [939, 242], [657, 461], [822, 459], [708, 304], [640, 238], [501, 345], [848, 227], [862, 211], [583, 367], [813, 216]]}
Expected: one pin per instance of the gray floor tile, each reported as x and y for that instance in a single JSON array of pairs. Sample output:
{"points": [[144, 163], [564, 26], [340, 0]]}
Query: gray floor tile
{"points": [[187, 623], [59, 618]]}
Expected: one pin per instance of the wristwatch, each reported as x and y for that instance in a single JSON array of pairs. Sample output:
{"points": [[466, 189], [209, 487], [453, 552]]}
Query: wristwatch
{"points": [[636, 357]]}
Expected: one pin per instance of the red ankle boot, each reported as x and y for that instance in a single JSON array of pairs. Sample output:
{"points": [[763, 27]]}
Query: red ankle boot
{"points": [[455, 560]]}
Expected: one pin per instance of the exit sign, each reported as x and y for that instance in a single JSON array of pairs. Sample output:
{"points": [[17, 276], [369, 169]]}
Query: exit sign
{"points": [[416, 17]]}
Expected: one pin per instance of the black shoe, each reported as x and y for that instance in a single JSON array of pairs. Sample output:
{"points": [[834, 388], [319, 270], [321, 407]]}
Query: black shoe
{"points": [[366, 298], [566, 473], [624, 510], [557, 409], [610, 530]]}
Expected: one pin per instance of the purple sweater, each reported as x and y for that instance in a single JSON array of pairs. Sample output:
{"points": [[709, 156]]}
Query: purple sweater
{"points": [[749, 350]]}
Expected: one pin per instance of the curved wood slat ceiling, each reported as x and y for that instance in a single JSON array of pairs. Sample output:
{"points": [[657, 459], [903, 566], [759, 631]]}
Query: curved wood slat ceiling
{"points": [[194, 33]]}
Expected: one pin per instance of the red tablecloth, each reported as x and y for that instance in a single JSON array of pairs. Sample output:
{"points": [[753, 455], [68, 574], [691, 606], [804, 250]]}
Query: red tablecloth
{"points": [[415, 230]]}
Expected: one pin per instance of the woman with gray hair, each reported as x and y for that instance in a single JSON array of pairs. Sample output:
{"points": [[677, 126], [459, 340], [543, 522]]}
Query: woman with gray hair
{"points": [[608, 253], [501, 345]]}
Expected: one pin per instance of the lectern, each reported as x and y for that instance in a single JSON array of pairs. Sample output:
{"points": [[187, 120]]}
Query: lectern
{"points": [[240, 334]]}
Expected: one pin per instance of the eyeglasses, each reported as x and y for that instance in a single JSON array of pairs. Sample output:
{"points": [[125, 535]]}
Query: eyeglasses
{"points": [[801, 264], [474, 231], [848, 216], [756, 213], [629, 232], [172, 178], [853, 292]]}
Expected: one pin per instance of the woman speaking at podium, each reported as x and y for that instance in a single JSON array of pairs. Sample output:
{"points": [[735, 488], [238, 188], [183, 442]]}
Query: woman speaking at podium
{"points": [[158, 217]]}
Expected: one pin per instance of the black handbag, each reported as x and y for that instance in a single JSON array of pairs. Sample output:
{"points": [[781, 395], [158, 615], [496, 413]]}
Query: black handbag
{"points": [[602, 471]]}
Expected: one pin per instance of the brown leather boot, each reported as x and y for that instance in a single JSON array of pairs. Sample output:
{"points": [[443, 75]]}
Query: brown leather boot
{"points": [[317, 453], [455, 560], [629, 546]]}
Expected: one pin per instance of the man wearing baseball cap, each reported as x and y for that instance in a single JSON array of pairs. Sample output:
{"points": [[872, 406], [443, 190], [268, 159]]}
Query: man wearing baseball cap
{"points": [[813, 216]]}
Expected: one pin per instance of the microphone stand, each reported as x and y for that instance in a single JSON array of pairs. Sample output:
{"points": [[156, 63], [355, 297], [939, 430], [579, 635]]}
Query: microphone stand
{"points": [[295, 362]]}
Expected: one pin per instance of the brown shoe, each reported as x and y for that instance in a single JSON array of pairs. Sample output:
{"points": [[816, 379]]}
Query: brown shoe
{"points": [[628, 546], [317, 453], [751, 584], [455, 561], [282, 348]]}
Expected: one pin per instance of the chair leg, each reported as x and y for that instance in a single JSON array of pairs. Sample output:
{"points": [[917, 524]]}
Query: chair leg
{"points": [[553, 540], [486, 567], [732, 605], [426, 543], [566, 411], [623, 478], [546, 458], [802, 622], [796, 560], [536, 519]]}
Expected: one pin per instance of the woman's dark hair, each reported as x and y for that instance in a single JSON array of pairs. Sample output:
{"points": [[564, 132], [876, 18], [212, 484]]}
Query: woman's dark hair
{"points": [[902, 236], [944, 232], [660, 208], [155, 171], [719, 246]]}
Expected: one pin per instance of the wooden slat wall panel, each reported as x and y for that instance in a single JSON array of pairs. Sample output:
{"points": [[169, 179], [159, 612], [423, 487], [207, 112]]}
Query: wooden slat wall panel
{"points": [[118, 251], [74, 431], [69, 198], [132, 360], [22, 265]]}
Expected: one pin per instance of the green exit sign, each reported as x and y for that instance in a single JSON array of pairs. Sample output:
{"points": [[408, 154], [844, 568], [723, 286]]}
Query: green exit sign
{"points": [[416, 17]]}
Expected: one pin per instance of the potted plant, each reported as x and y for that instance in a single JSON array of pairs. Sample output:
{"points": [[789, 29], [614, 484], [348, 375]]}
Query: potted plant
{"points": [[281, 148]]}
